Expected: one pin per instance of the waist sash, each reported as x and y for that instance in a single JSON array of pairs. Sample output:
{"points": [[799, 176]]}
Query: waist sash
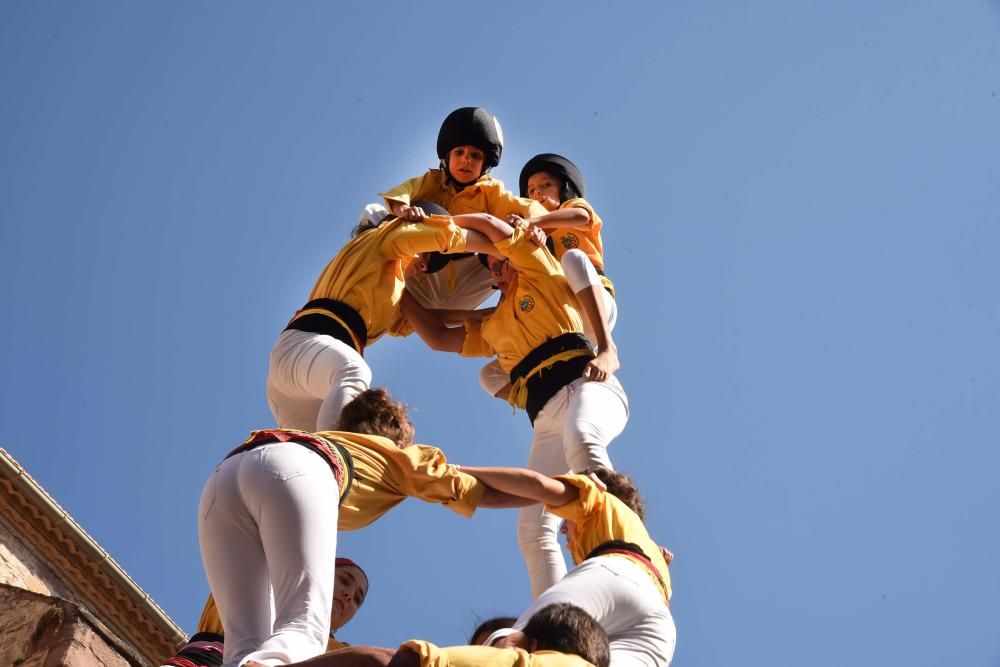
{"points": [[335, 454], [547, 369], [332, 318]]}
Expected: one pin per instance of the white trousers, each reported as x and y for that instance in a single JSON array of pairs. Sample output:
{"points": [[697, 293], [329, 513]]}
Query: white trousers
{"points": [[311, 378], [624, 600], [462, 284], [581, 274], [267, 527], [572, 433]]}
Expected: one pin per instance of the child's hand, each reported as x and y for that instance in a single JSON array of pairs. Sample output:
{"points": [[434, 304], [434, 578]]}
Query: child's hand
{"points": [[603, 366], [412, 213], [667, 554], [537, 235]]}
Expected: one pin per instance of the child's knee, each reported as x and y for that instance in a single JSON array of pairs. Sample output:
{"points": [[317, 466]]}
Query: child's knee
{"points": [[493, 378], [580, 272]]}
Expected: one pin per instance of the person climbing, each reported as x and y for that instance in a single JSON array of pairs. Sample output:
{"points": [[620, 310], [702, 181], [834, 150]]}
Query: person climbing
{"points": [[269, 515], [576, 405]]}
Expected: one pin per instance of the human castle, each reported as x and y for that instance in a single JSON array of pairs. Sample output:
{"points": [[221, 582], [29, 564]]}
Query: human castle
{"points": [[343, 452]]}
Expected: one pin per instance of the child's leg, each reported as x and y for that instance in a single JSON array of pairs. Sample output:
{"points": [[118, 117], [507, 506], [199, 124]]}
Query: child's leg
{"points": [[234, 561], [294, 500], [538, 530], [306, 368], [596, 415], [493, 379], [582, 275], [268, 522]]}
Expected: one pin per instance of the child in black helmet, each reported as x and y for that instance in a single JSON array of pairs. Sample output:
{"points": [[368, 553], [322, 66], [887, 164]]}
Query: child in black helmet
{"points": [[469, 144], [574, 237]]}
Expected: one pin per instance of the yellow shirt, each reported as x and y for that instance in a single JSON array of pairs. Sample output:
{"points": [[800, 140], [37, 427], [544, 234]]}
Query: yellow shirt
{"points": [[485, 195], [385, 475], [487, 656], [211, 622], [539, 305], [600, 517], [587, 238], [368, 273]]}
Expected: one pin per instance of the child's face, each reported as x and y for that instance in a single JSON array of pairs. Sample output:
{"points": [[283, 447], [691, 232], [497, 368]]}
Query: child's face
{"points": [[418, 265], [465, 163], [544, 188]]}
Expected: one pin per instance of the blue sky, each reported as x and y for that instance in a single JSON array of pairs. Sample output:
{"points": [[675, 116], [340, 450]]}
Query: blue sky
{"points": [[802, 218]]}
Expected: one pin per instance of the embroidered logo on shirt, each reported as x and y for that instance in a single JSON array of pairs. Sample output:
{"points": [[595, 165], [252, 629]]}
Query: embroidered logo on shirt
{"points": [[526, 303], [570, 241]]}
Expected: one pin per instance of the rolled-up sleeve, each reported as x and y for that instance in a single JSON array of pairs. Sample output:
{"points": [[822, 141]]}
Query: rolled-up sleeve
{"points": [[423, 472], [437, 234], [474, 344]]}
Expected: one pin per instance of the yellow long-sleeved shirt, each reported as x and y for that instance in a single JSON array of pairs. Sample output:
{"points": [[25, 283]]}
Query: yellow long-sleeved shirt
{"points": [[485, 195], [385, 475], [600, 517], [487, 656], [539, 305], [368, 273]]}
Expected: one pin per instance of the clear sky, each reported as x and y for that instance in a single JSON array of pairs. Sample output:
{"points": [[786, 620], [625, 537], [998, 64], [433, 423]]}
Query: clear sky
{"points": [[802, 218]]}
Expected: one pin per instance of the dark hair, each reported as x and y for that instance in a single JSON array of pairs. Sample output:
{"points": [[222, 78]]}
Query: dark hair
{"points": [[623, 488], [566, 628], [489, 626], [375, 412], [365, 225]]}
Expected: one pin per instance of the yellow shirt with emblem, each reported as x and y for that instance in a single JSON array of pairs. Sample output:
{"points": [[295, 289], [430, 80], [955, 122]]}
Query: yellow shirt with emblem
{"points": [[599, 517], [485, 195], [487, 656], [587, 237], [539, 305], [368, 273]]}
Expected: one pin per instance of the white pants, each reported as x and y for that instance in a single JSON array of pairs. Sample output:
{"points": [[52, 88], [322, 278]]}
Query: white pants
{"points": [[462, 284], [625, 601], [267, 527], [581, 274], [311, 378], [572, 433]]}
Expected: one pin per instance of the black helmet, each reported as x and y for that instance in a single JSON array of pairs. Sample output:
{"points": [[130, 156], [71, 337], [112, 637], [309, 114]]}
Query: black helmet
{"points": [[559, 167], [430, 208], [471, 126]]}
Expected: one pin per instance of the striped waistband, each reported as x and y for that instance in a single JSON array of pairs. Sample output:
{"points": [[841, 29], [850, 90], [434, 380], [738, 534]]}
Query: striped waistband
{"points": [[547, 369], [332, 318], [635, 553], [338, 458]]}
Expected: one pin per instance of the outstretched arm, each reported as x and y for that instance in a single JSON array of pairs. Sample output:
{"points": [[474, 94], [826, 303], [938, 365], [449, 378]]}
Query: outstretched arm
{"points": [[561, 218], [495, 499], [525, 483], [431, 327]]}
